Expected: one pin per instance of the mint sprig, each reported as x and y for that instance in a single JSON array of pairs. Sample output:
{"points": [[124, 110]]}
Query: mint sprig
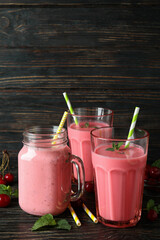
{"points": [[86, 125], [8, 191], [63, 224], [115, 147], [156, 163], [151, 205], [48, 220]]}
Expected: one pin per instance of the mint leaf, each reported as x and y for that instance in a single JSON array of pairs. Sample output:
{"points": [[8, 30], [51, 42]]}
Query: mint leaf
{"points": [[5, 190], [45, 220], [48, 220], [8, 191], [115, 146], [86, 125], [155, 208], [150, 204], [15, 193], [158, 207], [110, 149], [119, 145], [63, 224], [156, 163]]}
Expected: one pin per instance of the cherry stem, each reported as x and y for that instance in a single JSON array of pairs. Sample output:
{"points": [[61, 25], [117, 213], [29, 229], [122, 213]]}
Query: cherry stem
{"points": [[5, 162]]}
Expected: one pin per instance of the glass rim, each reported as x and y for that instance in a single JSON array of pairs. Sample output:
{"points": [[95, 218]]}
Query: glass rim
{"points": [[31, 131], [91, 116], [119, 139]]}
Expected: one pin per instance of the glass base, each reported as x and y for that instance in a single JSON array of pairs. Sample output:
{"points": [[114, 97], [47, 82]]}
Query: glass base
{"points": [[119, 224]]}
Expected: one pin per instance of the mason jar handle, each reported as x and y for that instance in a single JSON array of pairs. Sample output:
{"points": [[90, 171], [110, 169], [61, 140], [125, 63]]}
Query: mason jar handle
{"points": [[80, 177]]}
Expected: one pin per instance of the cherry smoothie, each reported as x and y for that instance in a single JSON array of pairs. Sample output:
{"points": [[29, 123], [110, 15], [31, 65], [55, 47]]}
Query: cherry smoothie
{"points": [[79, 138], [119, 179], [45, 185], [45, 172]]}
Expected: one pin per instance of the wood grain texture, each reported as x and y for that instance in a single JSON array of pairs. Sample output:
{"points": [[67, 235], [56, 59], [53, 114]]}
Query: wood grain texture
{"points": [[106, 56], [103, 53], [23, 222], [69, 3], [110, 27]]}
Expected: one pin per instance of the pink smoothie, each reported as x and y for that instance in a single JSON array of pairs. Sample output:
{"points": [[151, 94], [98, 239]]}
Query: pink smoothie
{"points": [[80, 143], [44, 179], [119, 182]]}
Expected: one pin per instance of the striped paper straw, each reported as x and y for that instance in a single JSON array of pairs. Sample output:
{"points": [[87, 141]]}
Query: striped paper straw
{"points": [[62, 122], [74, 215], [132, 127], [70, 107], [94, 219]]}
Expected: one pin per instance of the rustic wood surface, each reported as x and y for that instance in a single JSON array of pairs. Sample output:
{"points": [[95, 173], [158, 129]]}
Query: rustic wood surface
{"points": [[102, 53]]}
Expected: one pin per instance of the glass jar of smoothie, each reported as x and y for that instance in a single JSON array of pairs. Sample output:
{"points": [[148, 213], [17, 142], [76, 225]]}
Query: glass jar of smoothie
{"points": [[45, 172]]}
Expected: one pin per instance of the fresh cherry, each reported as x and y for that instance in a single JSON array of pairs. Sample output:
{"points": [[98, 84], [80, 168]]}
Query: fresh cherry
{"points": [[3, 181], [152, 215], [154, 172], [9, 178], [89, 186], [1, 176], [4, 200]]}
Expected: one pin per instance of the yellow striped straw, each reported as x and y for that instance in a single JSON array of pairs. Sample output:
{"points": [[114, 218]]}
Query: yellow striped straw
{"points": [[93, 218], [60, 125], [74, 215]]}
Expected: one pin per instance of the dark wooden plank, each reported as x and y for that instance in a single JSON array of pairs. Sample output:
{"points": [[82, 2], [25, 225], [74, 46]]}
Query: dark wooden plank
{"points": [[24, 222], [109, 27], [94, 3], [79, 67], [26, 72]]}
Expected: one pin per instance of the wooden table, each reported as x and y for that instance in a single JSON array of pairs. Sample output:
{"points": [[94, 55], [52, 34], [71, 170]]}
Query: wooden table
{"points": [[16, 224]]}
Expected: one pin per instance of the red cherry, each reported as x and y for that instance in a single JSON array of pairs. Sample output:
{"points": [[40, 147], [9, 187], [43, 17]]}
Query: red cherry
{"points": [[89, 186], [154, 172], [2, 181], [9, 178], [4, 200], [152, 215]]}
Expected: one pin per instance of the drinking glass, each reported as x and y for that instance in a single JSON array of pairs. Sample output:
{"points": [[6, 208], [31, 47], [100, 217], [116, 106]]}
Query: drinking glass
{"points": [[119, 174], [79, 126]]}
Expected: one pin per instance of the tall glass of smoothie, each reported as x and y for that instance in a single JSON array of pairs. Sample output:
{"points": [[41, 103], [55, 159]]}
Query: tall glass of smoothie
{"points": [[45, 172], [79, 126], [119, 175]]}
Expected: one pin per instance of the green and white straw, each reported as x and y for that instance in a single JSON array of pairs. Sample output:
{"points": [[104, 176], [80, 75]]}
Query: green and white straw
{"points": [[70, 107], [132, 127]]}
